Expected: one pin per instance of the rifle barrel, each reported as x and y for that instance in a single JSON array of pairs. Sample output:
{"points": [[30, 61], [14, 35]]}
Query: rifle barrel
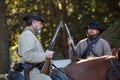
{"points": [[51, 45], [72, 44]]}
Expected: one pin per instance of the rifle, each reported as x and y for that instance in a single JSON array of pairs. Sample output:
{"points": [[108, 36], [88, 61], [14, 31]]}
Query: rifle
{"points": [[47, 64], [72, 44]]}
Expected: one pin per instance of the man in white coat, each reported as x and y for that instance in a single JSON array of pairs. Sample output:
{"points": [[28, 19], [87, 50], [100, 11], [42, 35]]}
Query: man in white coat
{"points": [[29, 47]]}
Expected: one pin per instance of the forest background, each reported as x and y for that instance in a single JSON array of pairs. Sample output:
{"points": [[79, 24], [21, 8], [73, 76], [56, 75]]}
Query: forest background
{"points": [[76, 13]]}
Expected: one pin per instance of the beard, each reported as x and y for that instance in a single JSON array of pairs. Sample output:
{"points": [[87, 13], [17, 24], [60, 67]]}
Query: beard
{"points": [[92, 36], [39, 31]]}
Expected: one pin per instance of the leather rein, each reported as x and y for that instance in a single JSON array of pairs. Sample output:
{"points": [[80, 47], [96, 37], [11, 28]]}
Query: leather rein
{"points": [[114, 70]]}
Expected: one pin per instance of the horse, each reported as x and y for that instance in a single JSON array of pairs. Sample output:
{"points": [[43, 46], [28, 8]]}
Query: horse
{"points": [[115, 52], [99, 68]]}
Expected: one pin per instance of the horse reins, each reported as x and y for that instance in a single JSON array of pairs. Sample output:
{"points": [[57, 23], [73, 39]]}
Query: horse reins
{"points": [[113, 70], [62, 71]]}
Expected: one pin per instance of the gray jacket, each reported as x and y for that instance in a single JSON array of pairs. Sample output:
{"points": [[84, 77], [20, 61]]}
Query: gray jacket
{"points": [[31, 50], [101, 48]]}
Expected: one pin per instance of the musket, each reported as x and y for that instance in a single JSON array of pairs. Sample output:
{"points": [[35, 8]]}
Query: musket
{"points": [[72, 44], [47, 64], [52, 43]]}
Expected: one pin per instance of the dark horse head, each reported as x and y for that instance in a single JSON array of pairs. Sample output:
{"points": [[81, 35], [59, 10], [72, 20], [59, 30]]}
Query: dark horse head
{"points": [[99, 68]]}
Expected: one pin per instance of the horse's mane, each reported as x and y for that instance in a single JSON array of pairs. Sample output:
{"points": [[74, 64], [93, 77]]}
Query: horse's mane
{"points": [[90, 68], [95, 59], [92, 60]]}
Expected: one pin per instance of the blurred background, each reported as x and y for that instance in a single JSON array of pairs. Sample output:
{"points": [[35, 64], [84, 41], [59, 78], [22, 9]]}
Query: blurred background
{"points": [[76, 13]]}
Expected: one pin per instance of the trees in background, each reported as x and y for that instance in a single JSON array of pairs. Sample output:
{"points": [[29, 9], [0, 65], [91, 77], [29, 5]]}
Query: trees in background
{"points": [[76, 13], [4, 47]]}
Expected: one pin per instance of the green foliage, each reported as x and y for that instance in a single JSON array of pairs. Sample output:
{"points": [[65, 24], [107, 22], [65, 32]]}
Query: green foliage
{"points": [[76, 13]]}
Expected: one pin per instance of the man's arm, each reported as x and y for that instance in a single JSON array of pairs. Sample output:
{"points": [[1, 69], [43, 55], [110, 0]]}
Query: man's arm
{"points": [[107, 49], [72, 55], [27, 49]]}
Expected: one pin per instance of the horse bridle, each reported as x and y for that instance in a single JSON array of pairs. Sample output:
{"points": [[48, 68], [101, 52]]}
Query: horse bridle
{"points": [[114, 69], [62, 72]]}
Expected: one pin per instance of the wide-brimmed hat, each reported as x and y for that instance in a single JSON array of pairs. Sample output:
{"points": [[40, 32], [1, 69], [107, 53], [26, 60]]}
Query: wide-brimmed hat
{"points": [[34, 16], [94, 25]]}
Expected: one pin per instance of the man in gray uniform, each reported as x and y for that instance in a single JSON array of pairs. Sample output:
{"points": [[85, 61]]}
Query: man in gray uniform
{"points": [[30, 49], [92, 46]]}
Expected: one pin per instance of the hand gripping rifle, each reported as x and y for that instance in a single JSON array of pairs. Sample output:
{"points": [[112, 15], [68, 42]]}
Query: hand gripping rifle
{"points": [[72, 44], [47, 64]]}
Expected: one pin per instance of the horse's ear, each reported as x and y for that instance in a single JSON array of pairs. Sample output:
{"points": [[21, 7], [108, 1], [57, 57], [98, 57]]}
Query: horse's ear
{"points": [[118, 53], [114, 50]]}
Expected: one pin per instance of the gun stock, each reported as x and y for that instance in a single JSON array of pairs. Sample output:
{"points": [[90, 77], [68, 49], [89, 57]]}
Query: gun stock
{"points": [[47, 64], [46, 67]]}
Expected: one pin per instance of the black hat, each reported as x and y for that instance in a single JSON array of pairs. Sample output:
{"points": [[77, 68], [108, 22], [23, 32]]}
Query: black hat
{"points": [[94, 26], [34, 16]]}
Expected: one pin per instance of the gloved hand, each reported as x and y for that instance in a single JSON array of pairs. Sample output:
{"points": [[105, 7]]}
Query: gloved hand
{"points": [[49, 54], [70, 40]]}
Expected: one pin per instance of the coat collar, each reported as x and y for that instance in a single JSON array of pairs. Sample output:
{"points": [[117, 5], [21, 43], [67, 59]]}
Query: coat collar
{"points": [[28, 28]]}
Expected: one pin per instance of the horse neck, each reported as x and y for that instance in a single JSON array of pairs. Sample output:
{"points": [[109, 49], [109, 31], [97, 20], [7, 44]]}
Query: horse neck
{"points": [[100, 64], [104, 66], [97, 68]]}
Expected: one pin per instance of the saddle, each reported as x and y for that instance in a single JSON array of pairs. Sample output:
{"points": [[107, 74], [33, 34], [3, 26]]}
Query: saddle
{"points": [[19, 67], [58, 74]]}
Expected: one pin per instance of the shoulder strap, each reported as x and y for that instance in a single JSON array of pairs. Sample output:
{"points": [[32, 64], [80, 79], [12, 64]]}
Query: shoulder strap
{"points": [[94, 53], [89, 48]]}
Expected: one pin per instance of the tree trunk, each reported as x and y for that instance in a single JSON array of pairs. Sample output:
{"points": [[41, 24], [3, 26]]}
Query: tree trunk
{"points": [[112, 34], [4, 49]]}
